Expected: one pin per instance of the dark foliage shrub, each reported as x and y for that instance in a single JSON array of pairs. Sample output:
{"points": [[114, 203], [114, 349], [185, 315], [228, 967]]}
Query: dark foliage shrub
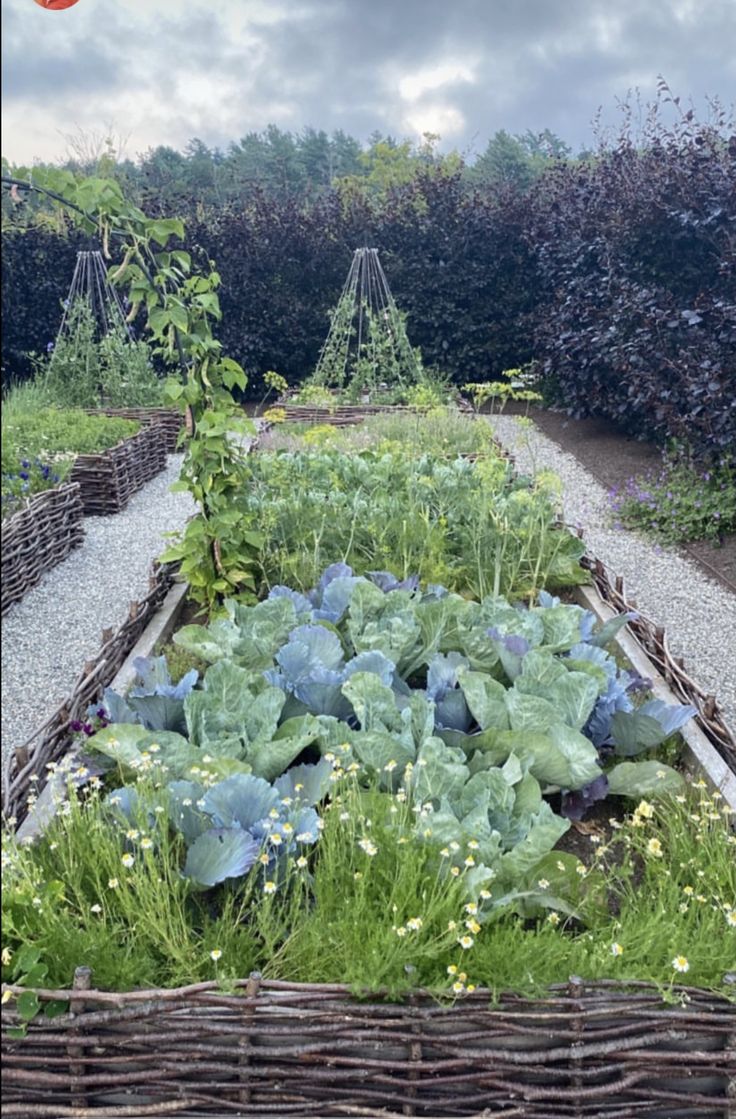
{"points": [[459, 264], [637, 255], [616, 273], [456, 261], [37, 269]]}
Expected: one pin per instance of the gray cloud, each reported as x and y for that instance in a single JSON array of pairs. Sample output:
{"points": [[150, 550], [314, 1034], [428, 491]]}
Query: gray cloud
{"points": [[464, 69]]}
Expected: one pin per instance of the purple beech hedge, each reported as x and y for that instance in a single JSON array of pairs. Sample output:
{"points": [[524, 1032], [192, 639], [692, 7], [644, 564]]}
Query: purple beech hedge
{"points": [[617, 274]]}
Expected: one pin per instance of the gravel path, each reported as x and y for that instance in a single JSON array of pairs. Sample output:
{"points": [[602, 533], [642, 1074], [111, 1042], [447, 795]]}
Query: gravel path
{"points": [[57, 626], [698, 614]]}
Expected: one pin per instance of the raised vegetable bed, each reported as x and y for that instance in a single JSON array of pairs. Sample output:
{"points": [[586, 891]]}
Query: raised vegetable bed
{"points": [[37, 537], [169, 420], [108, 480], [300, 1049]]}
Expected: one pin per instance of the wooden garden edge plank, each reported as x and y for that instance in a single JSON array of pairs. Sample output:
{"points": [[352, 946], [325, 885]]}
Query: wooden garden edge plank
{"points": [[160, 628], [699, 751]]}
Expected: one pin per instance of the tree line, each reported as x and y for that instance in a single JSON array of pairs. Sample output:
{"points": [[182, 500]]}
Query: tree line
{"points": [[614, 273]]}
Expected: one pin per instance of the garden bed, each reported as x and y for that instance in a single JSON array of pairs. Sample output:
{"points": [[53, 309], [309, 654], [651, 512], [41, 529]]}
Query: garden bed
{"points": [[251, 1046], [37, 537], [169, 421], [273, 1048], [108, 480]]}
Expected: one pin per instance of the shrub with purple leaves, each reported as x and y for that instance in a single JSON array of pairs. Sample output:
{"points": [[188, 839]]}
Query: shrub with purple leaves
{"points": [[681, 502], [636, 253]]}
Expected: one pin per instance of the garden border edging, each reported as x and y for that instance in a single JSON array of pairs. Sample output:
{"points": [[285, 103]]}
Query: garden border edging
{"points": [[160, 628], [109, 479], [50, 741], [39, 536], [699, 751]]}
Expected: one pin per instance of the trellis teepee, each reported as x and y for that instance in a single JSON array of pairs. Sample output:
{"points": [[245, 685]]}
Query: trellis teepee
{"points": [[367, 348], [90, 289], [95, 360]]}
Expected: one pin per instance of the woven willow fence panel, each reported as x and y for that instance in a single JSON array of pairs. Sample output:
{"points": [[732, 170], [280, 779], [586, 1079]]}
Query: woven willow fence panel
{"points": [[342, 415], [170, 421], [108, 481], [24, 772], [37, 537], [285, 1049]]}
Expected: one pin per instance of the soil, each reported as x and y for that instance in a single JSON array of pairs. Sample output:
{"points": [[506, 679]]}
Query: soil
{"points": [[612, 457]]}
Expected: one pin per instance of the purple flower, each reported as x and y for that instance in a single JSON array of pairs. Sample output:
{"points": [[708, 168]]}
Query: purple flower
{"points": [[75, 726], [49, 347], [101, 713]]}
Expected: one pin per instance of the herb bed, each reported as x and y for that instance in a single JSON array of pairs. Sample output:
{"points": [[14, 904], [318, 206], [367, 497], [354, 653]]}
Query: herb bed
{"points": [[169, 421]]}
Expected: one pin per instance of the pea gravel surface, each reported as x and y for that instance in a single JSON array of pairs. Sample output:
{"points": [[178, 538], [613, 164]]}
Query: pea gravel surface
{"points": [[57, 626], [698, 614]]}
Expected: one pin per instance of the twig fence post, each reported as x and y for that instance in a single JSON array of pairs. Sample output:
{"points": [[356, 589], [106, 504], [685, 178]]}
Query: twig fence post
{"points": [[82, 982], [244, 1040]]}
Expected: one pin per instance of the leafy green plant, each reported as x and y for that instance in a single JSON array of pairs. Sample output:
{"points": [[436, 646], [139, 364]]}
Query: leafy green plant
{"points": [[84, 370], [519, 387], [459, 689], [230, 825], [684, 501], [180, 306], [470, 526], [317, 395]]}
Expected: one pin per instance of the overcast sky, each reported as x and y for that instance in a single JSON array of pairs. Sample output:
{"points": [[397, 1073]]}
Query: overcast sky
{"points": [[164, 71]]}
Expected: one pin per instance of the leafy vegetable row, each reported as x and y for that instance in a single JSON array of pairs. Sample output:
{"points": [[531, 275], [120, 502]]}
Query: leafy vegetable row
{"points": [[477, 712]]}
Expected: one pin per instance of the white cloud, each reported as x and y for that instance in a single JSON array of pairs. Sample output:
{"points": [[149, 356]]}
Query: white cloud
{"points": [[413, 86], [442, 120]]}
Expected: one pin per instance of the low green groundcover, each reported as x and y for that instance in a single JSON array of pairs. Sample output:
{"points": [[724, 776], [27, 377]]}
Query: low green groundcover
{"points": [[39, 447]]}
